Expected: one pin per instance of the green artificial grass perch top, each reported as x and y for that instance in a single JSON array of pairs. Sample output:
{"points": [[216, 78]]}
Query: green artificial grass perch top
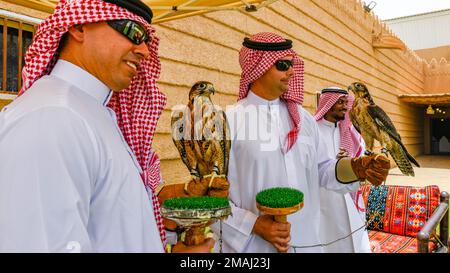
{"points": [[279, 197], [196, 202]]}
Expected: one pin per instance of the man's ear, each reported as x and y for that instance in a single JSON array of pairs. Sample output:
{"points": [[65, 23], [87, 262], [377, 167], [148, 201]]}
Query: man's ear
{"points": [[77, 32]]}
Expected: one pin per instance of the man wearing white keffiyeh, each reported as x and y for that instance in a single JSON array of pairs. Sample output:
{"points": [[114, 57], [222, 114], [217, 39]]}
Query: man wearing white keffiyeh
{"points": [[342, 210], [79, 173]]}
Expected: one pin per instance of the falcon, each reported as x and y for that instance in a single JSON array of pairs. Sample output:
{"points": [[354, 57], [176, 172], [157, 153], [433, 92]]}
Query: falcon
{"points": [[200, 132], [373, 123]]}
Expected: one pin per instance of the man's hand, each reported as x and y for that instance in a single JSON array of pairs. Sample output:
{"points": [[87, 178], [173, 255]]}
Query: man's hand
{"points": [[219, 187], [374, 168], [206, 247], [278, 234]]}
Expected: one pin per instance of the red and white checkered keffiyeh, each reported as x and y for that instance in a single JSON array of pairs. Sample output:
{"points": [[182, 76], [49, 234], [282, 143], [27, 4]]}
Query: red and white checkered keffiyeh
{"points": [[255, 63], [350, 139], [138, 107]]}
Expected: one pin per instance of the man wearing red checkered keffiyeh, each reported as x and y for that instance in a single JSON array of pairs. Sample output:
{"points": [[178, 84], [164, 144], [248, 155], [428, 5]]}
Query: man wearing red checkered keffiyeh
{"points": [[342, 211], [276, 143], [78, 138], [255, 63]]}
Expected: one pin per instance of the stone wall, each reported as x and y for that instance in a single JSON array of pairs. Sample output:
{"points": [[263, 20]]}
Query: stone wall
{"points": [[22, 10], [333, 37], [437, 76], [434, 53]]}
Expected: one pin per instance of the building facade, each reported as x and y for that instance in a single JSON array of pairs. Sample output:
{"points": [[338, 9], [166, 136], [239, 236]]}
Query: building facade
{"points": [[339, 41], [427, 34], [423, 31]]}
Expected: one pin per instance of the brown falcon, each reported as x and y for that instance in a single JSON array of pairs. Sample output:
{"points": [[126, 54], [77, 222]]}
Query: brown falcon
{"points": [[373, 123], [201, 134]]}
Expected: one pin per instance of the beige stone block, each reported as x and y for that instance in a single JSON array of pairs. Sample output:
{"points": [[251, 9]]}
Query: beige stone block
{"points": [[185, 75], [185, 48], [216, 32], [174, 171], [164, 122], [164, 146], [179, 95]]}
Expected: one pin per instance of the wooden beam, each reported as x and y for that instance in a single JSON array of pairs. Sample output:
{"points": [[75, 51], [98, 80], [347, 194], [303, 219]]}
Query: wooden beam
{"points": [[44, 6], [434, 99]]}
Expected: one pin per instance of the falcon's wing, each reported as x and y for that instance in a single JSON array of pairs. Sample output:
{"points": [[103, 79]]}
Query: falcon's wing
{"points": [[216, 146], [225, 143], [180, 136], [383, 121], [354, 121]]}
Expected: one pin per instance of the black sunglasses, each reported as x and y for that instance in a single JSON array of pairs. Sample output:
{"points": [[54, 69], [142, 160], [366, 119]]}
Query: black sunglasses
{"points": [[130, 29], [284, 65]]}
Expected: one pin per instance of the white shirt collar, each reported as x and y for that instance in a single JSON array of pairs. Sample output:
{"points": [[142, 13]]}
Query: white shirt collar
{"points": [[329, 123], [255, 99], [82, 79]]}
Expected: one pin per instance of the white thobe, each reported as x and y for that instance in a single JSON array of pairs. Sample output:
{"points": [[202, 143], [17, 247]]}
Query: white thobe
{"points": [[68, 180], [340, 217], [258, 131]]}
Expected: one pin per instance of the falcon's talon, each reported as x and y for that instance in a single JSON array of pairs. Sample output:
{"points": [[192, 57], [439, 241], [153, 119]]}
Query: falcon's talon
{"points": [[212, 179], [186, 184]]}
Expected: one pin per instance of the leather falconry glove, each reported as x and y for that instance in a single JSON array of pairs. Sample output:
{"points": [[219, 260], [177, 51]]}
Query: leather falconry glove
{"points": [[373, 168], [209, 185]]}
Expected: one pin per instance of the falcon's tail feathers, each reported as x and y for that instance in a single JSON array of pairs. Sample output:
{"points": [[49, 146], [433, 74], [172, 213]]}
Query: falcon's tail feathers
{"points": [[401, 158], [412, 159]]}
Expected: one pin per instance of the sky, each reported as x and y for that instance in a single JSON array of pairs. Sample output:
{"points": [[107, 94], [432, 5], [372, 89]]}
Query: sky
{"points": [[388, 9]]}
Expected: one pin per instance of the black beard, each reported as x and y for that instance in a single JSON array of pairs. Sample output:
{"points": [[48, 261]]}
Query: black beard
{"points": [[338, 118]]}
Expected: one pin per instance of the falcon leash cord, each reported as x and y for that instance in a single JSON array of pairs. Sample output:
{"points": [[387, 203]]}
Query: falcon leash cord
{"points": [[342, 238]]}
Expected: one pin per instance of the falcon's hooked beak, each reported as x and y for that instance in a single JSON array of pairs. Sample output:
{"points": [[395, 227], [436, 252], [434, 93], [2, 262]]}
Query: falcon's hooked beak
{"points": [[211, 89]]}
